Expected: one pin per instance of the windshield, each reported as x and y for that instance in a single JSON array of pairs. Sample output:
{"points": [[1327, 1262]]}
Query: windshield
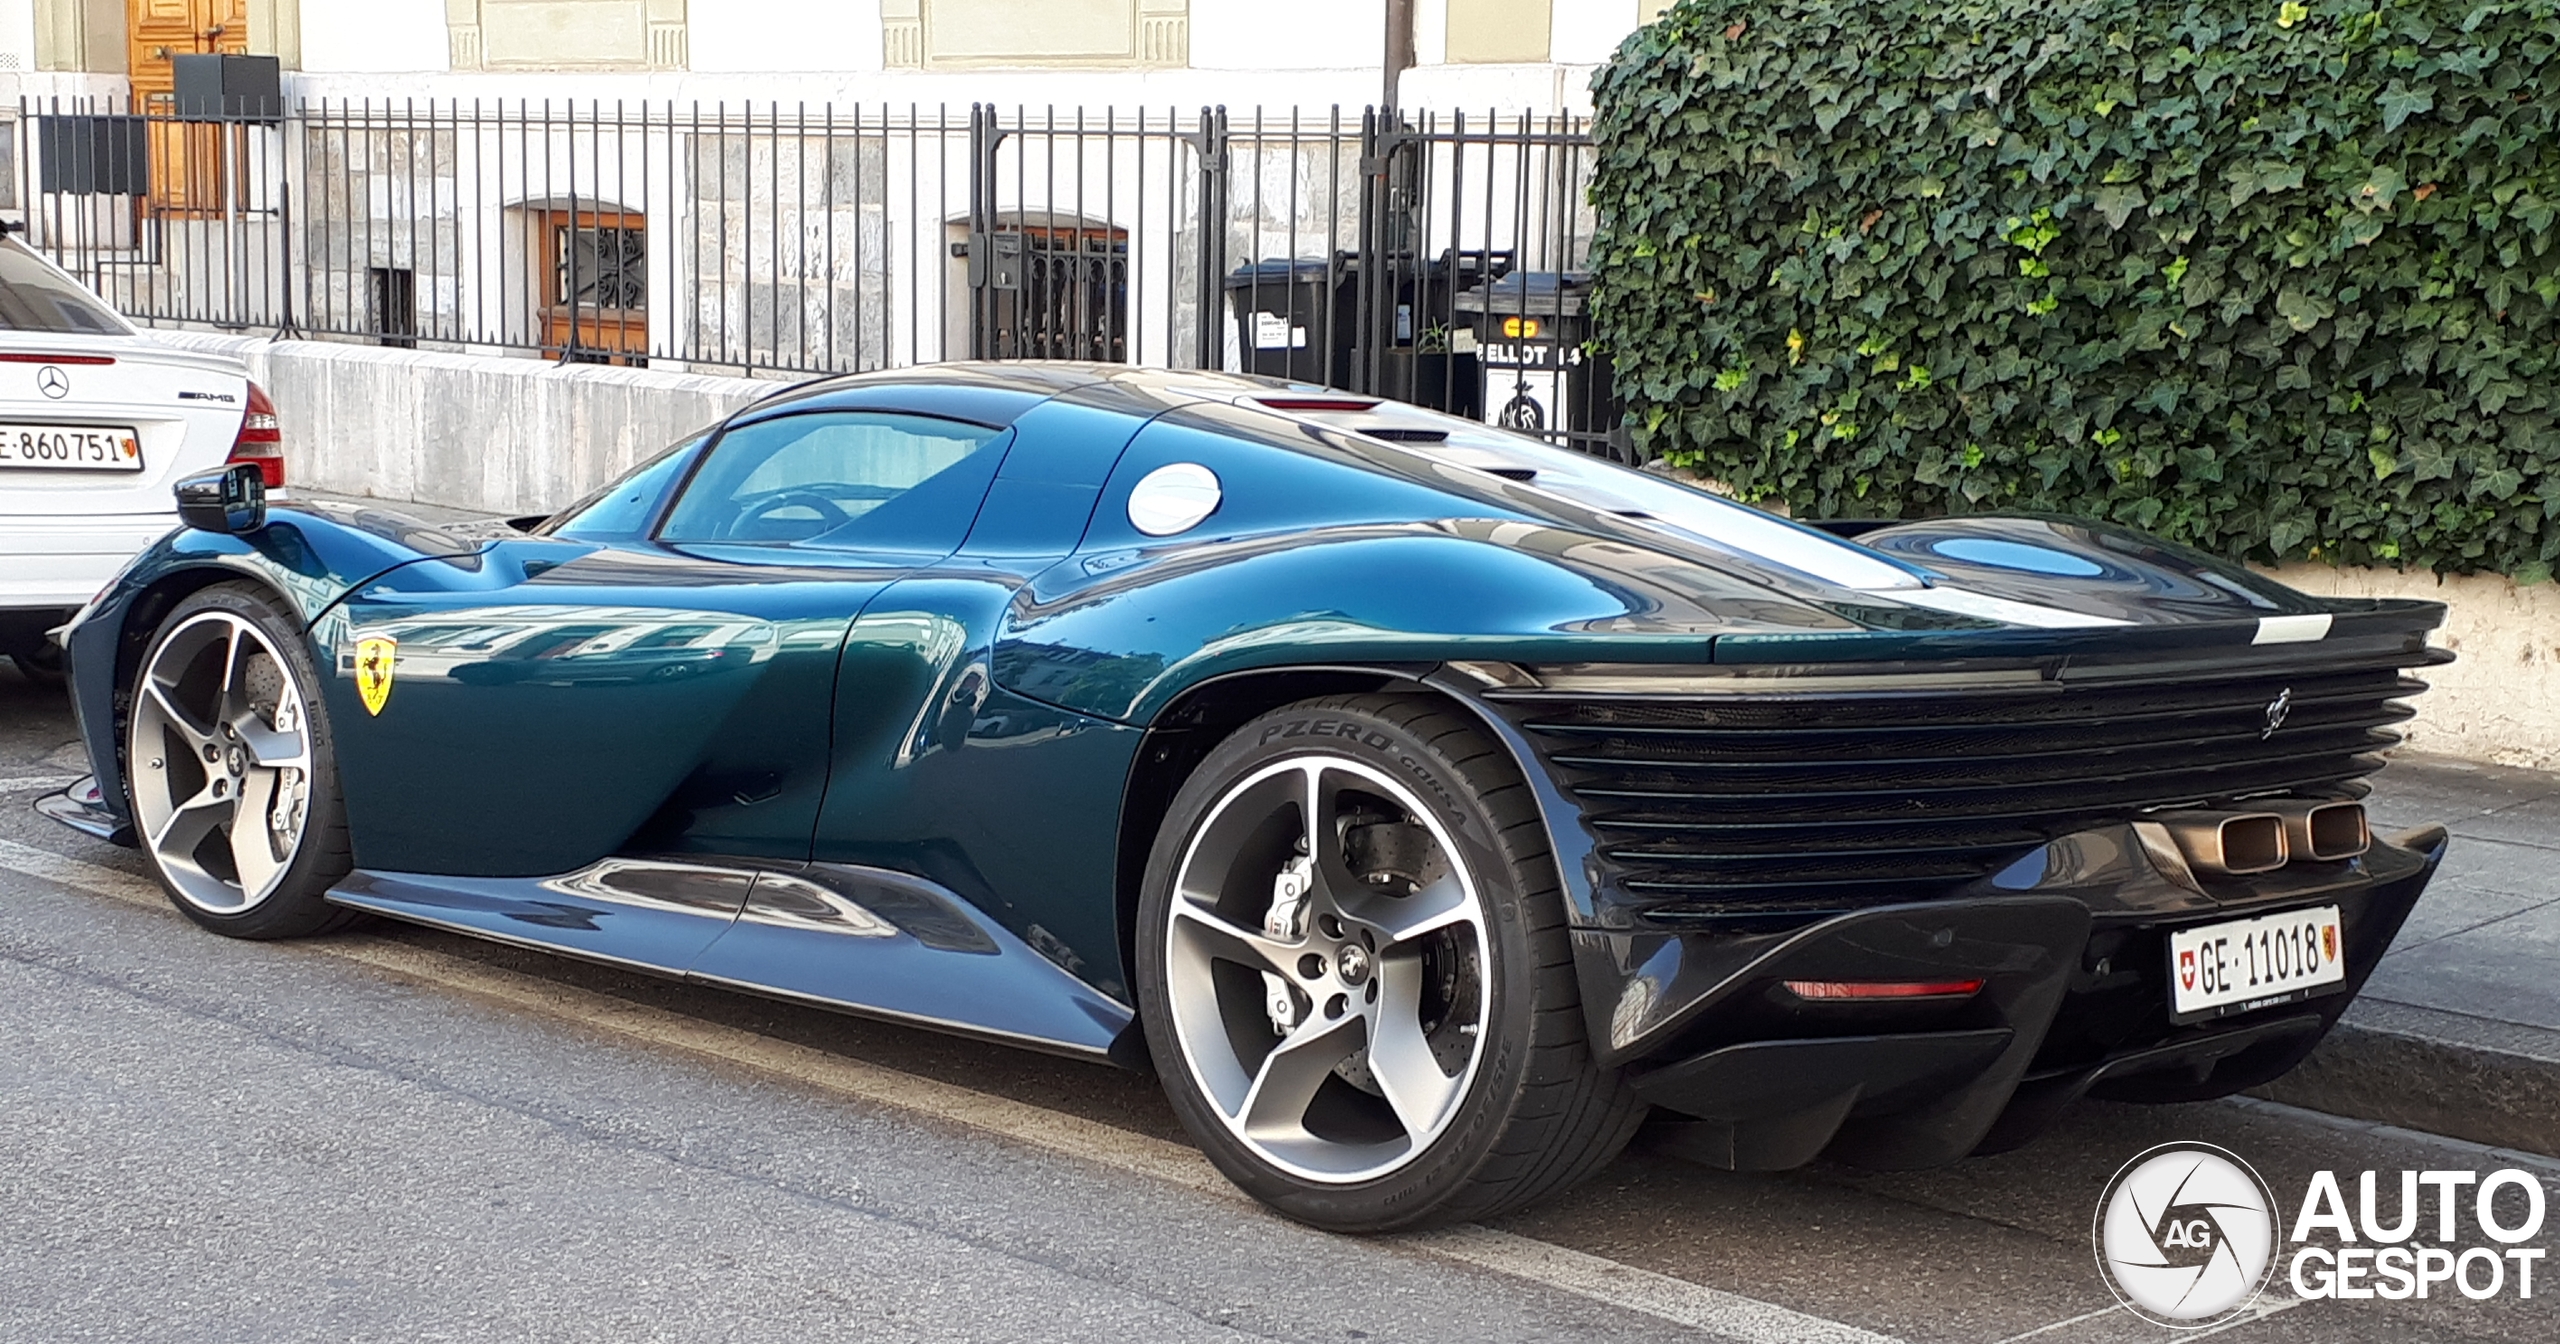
{"points": [[624, 509], [36, 297]]}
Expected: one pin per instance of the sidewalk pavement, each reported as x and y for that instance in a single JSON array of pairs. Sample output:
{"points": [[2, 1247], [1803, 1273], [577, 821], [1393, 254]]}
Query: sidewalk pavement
{"points": [[2458, 1030]]}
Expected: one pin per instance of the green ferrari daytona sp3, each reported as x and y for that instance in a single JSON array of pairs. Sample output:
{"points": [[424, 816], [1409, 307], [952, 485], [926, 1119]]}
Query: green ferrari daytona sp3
{"points": [[1427, 806]]}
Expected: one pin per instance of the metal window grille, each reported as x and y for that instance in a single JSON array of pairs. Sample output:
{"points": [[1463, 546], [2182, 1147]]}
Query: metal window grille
{"points": [[394, 306]]}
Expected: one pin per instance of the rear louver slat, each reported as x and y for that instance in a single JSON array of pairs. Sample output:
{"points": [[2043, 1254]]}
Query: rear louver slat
{"points": [[1807, 801]]}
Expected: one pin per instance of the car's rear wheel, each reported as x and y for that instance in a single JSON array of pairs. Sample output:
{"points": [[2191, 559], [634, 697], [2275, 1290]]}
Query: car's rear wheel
{"points": [[1355, 975], [235, 794]]}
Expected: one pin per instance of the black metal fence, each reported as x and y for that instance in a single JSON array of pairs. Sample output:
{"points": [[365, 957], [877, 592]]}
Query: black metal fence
{"points": [[1428, 257]]}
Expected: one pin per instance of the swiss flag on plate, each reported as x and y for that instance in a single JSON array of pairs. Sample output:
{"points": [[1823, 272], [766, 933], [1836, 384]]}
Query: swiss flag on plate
{"points": [[2187, 969]]}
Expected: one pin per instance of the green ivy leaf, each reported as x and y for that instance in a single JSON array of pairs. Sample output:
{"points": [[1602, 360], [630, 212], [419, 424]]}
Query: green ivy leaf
{"points": [[2303, 311], [2380, 185], [2117, 204], [2399, 102], [2162, 265]]}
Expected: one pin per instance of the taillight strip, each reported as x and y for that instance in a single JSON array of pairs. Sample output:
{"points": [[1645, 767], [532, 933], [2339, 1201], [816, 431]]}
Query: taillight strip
{"points": [[1347, 404], [15, 358], [1839, 990]]}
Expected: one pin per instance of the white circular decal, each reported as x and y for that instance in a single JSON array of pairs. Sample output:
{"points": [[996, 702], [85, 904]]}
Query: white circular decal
{"points": [[2186, 1235], [1174, 498]]}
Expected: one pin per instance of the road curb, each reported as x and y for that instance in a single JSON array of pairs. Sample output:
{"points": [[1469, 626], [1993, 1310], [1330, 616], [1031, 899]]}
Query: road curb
{"points": [[2440, 1073]]}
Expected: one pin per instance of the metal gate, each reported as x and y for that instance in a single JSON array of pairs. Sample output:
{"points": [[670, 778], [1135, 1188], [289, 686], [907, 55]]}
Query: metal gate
{"points": [[1452, 274], [1427, 257], [1082, 227], [1432, 259]]}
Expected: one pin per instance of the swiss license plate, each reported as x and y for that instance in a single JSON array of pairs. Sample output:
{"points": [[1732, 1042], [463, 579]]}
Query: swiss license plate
{"points": [[70, 447], [2216, 970]]}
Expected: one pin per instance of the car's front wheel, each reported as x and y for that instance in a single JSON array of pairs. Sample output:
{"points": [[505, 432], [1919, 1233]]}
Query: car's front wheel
{"points": [[1355, 974], [234, 789]]}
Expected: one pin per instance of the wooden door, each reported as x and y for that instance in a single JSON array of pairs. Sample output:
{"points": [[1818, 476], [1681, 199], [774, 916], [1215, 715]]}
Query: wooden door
{"points": [[188, 162], [595, 297]]}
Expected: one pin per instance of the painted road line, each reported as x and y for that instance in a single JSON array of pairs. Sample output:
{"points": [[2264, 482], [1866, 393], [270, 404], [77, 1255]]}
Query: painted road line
{"points": [[2266, 1307], [1587, 1276], [31, 783], [71, 872], [1690, 1304], [2083, 1319]]}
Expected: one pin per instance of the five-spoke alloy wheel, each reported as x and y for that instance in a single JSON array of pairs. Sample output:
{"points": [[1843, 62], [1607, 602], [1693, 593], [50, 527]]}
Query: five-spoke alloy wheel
{"points": [[1351, 949], [234, 798], [1333, 1017]]}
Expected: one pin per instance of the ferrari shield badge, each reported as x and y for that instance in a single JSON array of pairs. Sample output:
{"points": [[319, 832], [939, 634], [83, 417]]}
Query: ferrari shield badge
{"points": [[376, 656]]}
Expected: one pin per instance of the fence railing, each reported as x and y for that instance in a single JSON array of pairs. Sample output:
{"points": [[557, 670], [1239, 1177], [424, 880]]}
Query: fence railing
{"points": [[1428, 257]]}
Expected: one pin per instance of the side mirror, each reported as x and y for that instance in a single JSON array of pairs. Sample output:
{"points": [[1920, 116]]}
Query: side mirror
{"points": [[232, 501]]}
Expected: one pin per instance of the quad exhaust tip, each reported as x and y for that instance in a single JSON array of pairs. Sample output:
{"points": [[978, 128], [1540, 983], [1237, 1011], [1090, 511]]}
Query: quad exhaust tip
{"points": [[2229, 844], [2324, 830], [2237, 844]]}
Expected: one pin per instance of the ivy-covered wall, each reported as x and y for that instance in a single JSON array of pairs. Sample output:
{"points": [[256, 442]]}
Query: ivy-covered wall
{"points": [[2276, 279]]}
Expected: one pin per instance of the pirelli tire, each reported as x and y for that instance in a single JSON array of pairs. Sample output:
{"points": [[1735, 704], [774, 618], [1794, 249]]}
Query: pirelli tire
{"points": [[1355, 975]]}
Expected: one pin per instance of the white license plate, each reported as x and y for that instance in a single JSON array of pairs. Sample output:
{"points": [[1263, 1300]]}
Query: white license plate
{"points": [[70, 447], [2219, 969]]}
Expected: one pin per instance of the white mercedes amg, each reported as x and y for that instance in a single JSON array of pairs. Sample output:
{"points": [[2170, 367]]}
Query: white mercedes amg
{"points": [[97, 419]]}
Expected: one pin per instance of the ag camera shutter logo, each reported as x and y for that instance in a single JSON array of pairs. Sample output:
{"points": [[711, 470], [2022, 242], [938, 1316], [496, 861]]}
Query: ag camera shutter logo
{"points": [[2186, 1235]]}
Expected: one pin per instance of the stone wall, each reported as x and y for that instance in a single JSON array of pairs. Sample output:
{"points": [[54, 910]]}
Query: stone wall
{"points": [[2499, 701], [509, 436]]}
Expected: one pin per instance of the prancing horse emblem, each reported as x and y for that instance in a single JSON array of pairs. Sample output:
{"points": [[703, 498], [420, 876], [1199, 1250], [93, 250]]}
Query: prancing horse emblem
{"points": [[53, 382], [377, 659], [2276, 710]]}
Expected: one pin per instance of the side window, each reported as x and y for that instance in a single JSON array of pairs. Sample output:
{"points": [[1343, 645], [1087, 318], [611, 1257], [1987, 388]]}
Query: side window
{"points": [[621, 511], [850, 479]]}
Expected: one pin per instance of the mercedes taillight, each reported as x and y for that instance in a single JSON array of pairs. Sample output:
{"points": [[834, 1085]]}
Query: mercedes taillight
{"points": [[261, 439]]}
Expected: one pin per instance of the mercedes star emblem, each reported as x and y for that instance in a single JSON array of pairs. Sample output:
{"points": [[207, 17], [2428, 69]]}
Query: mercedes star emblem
{"points": [[53, 382], [2276, 710]]}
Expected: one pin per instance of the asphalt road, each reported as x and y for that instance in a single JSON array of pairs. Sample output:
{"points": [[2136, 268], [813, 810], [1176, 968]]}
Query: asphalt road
{"points": [[401, 1135]]}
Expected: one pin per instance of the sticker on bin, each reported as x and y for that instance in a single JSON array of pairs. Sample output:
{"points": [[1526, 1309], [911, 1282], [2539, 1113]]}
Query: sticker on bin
{"points": [[2241, 965], [1272, 331]]}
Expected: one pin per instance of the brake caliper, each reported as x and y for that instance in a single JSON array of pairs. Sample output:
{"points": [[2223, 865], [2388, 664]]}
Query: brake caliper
{"points": [[1286, 922]]}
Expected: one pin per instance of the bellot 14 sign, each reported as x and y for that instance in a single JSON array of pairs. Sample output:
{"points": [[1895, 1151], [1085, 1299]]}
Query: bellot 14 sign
{"points": [[2187, 1235]]}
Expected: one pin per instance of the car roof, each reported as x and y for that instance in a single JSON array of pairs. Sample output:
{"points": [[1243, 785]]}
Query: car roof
{"points": [[995, 394], [1521, 473]]}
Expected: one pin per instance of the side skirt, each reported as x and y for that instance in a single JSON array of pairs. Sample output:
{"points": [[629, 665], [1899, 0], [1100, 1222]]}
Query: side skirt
{"points": [[858, 940]]}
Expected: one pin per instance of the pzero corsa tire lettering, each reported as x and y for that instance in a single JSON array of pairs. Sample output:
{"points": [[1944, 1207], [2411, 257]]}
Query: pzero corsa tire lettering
{"points": [[1517, 1109], [228, 679]]}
